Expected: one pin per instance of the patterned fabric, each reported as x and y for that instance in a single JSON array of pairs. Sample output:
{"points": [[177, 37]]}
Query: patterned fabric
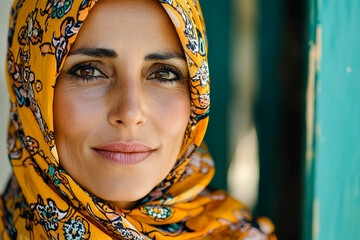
{"points": [[43, 202]]}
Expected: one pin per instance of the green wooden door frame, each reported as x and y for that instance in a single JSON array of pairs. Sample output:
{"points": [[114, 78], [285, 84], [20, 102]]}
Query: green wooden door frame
{"points": [[332, 168], [313, 64]]}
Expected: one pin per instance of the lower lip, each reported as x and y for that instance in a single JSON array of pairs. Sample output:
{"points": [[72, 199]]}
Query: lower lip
{"points": [[126, 159]]}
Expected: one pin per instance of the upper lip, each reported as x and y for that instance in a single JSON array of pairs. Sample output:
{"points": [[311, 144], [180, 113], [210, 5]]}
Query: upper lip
{"points": [[125, 147]]}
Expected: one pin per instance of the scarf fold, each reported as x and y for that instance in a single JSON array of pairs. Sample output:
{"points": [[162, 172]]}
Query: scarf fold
{"points": [[42, 201]]}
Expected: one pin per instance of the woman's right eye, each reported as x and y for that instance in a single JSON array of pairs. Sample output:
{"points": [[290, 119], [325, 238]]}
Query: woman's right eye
{"points": [[87, 72]]}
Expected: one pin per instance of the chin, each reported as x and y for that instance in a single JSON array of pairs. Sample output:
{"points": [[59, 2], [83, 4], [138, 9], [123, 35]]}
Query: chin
{"points": [[122, 192]]}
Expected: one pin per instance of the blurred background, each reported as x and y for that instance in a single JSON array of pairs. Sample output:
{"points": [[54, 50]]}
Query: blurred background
{"points": [[285, 108], [257, 60], [5, 169]]}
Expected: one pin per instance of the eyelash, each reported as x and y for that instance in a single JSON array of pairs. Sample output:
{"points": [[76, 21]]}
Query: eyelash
{"points": [[171, 69], [93, 65], [87, 65]]}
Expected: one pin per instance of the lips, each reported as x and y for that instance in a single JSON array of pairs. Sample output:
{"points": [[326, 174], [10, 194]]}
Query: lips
{"points": [[124, 153]]}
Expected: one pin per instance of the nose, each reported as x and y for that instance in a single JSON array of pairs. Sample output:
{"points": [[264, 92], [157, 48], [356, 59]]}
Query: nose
{"points": [[127, 103]]}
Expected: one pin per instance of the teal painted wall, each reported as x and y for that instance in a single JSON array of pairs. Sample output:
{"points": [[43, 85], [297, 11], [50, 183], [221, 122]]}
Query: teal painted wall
{"points": [[217, 19], [268, 109], [334, 166]]}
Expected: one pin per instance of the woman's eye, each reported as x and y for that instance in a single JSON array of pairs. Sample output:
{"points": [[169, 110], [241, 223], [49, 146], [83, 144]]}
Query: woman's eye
{"points": [[88, 72], [163, 74], [166, 74]]}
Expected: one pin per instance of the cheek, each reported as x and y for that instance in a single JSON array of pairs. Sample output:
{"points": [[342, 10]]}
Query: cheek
{"points": [[68, 115], [173, 114], [74, 117]]}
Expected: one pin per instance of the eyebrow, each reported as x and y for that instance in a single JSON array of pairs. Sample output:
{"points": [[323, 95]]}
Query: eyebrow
{"points": [[165, 55], [95, 52], [104, 52]]}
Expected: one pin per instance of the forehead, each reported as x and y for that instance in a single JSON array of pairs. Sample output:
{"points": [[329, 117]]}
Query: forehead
{"points": [[128, 24]]}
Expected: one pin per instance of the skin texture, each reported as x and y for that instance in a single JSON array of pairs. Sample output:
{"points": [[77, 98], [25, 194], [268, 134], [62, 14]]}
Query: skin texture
{"points": [[122, 91]]}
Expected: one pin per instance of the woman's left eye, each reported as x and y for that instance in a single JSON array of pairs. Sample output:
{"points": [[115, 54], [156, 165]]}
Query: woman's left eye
{"points": [[166, 74], [163, 74]]}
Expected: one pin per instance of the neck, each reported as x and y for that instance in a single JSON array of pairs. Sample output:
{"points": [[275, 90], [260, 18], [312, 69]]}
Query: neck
{"points": [[124, 204]]}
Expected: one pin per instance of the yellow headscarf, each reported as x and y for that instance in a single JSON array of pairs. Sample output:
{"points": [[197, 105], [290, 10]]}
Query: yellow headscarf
{"points": [[43, 202]]}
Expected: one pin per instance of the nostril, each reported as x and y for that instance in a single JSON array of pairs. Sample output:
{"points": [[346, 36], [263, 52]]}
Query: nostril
{"points": [[126, 113], [139, 122]]}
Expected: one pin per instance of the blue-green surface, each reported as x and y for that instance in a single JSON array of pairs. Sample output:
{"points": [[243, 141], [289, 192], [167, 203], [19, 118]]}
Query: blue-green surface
{"points": [[309, 166], [217, 18], [268, 106], [336, 196]]}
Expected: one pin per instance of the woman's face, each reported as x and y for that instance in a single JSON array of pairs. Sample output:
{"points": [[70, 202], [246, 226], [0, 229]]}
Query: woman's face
{"points": [[122, 101]]}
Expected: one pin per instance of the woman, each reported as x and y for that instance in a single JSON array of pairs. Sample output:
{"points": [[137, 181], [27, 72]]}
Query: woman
{"points": [[108, 111]]}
